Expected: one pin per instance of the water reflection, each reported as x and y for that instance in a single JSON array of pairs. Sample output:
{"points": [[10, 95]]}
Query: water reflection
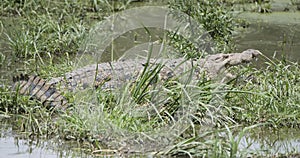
{"points": [[13, 146], [271, 141]]}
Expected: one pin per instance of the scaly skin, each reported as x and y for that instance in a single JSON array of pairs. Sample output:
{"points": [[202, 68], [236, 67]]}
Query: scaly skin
{"points": [[37, 88], [114, 74]]}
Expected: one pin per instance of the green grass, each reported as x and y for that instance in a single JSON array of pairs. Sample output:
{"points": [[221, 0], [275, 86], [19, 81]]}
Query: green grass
{"points": [[46, 28], [273, 96], [44, 35], [269, 99], [149, 125], [215, 18], [2, 59], [170, 118]]}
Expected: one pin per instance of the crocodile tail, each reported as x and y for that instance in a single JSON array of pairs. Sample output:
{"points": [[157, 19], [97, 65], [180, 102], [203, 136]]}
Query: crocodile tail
{"points": [[39, 89]]}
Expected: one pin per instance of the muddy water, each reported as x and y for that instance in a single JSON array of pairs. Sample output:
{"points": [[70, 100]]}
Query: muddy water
{"points": [[276, 34]]}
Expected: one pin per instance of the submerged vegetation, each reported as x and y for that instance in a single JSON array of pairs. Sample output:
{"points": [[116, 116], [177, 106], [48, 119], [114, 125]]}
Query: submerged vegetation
{"points": [[206, 119]]}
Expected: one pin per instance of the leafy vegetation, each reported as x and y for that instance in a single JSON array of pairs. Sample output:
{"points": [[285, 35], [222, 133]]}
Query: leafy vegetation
{"points": [[273, 98], [215, 18], [46, 28], [205, 119]]}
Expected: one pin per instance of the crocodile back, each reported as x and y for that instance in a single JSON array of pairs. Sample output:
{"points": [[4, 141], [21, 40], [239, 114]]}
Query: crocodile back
{"points": [[113, 74]]}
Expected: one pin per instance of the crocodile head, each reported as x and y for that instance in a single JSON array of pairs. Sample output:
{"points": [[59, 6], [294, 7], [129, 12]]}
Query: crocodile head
{"points": [[240, 58], [218, 63]]}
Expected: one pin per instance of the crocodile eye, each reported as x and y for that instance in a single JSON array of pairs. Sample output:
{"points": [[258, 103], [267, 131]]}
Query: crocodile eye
{"points": [[218, 58], [226, 56]]}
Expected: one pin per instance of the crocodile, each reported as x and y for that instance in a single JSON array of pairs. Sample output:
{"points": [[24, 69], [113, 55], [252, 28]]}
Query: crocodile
{"points": [[111, 75], [39, 89]]}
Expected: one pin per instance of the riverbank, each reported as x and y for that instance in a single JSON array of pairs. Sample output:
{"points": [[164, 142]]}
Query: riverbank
{"points": [[131, 121]]}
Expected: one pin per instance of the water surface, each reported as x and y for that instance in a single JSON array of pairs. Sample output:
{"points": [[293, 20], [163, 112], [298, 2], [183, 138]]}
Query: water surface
{"points": [[276, 34], [14, 144]]}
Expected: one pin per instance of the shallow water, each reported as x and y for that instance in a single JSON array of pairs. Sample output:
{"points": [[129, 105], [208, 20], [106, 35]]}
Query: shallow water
{"points": [[276, 34], [12, 145], [271, 141]]}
